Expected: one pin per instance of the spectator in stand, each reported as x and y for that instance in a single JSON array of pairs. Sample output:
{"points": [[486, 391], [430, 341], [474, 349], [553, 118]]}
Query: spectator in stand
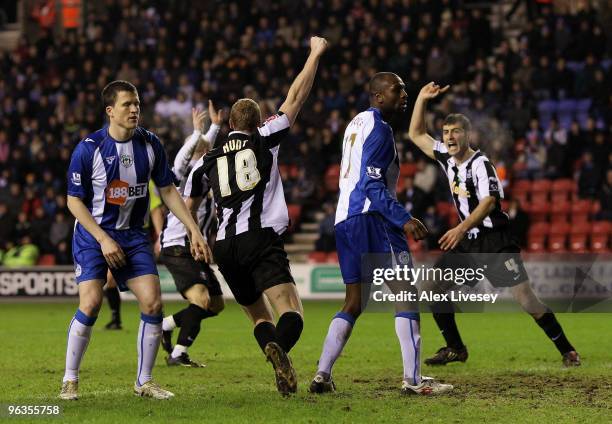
{"points": [[426, 175], [327, 239], [24, 254], [413, 198], [519, 222], [588, 177], [7, 222], [605, 198]]}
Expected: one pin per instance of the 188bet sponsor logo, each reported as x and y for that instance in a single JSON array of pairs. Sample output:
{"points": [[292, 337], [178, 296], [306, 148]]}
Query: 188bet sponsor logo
{"points": [[118, 192]]}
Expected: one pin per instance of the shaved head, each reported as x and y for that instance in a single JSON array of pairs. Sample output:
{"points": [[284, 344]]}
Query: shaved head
{"points": [[387, 93], [381, 81]]}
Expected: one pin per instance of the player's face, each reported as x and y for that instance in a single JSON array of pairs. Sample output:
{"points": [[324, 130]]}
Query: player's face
{"points": [[126, 111], [395, 97], [456, 139]]}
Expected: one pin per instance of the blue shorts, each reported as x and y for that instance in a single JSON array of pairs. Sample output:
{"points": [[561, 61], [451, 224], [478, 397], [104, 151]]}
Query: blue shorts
{"points": [[368, 234], [89, 263]]}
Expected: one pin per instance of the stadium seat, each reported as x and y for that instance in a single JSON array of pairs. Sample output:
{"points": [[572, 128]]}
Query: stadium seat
{"points": [[521, 185], [535, 243], [332, 176], [539, 228], [563, 185], [581, 210], [541, 186], [332, 257], [595, 208], [599, 243], [556, 243], [580, 228], [444, 209], [578, 243], [295, 213], [539, 197], [557, 197], [317, 257], [538, 212], [47, 259], [415, 246], [560, 211], [407, 170], [601, 227], [560, 228]]}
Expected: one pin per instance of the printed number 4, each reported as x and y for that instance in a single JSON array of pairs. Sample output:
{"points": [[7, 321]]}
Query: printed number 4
{"points": [[247, 174], [511, 265]]}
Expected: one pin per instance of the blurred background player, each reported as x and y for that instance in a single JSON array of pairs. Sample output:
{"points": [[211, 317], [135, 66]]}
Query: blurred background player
{"points": [[111, 291], [370, 220], [244, 176], [196, 281], [482, 238], [108, 194]]}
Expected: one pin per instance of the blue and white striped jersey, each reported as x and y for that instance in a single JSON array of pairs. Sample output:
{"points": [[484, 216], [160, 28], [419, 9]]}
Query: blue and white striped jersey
{"points": [[369, 170], [112, 177]]}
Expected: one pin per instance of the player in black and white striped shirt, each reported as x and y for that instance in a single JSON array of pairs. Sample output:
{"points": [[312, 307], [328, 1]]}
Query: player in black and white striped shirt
{"points": [[482, 238], [195, 281], [243, 173]]}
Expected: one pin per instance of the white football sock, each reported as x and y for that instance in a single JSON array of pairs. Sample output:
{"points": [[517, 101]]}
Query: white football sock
{"points": [[149, 336], [168, 323], [338, 334], [407, 328], [79, 333], [178, 350]]}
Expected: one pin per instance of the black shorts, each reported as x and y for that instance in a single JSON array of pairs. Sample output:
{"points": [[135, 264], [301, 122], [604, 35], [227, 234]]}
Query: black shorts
{"points": [[493, 251], [252, 262], [187, 272]]}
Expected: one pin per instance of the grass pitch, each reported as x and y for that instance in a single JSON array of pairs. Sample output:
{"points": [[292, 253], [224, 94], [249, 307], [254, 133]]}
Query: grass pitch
{"points": [[514, 373]]}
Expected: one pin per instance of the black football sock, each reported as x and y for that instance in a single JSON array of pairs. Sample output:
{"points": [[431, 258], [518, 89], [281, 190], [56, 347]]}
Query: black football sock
{"points": [[288, 329], [179, 316], [264, 332], [548, 322], [445, 319], [191, 320], [114, 302]]}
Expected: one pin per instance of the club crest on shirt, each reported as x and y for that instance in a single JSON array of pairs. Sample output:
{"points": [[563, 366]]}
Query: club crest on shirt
{"points": [[76, 178], [126, 160], [493, 185], [77, 270], [404, 257], [110, 160], [373, 172]]}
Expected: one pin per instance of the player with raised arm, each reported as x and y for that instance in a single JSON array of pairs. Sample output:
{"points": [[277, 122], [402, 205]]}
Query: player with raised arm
{"points": [[370, 220], [195, 280], [482, 238], [108, 195], [243, 174]]}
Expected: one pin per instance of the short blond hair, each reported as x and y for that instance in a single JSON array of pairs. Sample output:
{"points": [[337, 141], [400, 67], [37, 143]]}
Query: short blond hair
{"points": [[245, 115]]}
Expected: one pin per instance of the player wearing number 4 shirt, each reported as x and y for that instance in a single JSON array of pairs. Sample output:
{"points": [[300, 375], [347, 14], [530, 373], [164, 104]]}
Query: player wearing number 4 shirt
{"points": [[243, 173], [482, 238], [108, 194]]}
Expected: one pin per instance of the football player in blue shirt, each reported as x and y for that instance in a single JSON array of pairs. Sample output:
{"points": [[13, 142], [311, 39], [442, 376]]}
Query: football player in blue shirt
{"points": [[370, 221], [108, 195]]}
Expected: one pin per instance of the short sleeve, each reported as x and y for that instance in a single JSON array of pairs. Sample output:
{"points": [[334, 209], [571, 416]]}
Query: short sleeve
{"points": [[275, 129], [79, 171], [441, 152], [197, 182], [161, 174], [488, 183]]}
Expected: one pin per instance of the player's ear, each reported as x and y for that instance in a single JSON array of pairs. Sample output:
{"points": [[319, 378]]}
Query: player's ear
{"points": [[231, 124], [109, 111]]}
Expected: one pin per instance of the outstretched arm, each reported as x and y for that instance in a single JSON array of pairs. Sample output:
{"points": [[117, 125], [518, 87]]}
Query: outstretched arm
{"points": [[300, 88], [418, 131]]}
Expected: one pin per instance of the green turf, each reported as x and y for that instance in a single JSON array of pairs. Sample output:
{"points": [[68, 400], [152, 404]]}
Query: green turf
{"points": [[513, 375]]}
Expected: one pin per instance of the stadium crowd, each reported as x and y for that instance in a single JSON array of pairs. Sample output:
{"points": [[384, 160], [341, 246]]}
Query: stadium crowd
{"points": [[541, 104]]}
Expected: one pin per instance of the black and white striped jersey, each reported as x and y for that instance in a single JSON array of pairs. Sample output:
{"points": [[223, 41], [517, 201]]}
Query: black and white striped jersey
{"points": [[174, 232], [243, 174], [470, 182]]}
